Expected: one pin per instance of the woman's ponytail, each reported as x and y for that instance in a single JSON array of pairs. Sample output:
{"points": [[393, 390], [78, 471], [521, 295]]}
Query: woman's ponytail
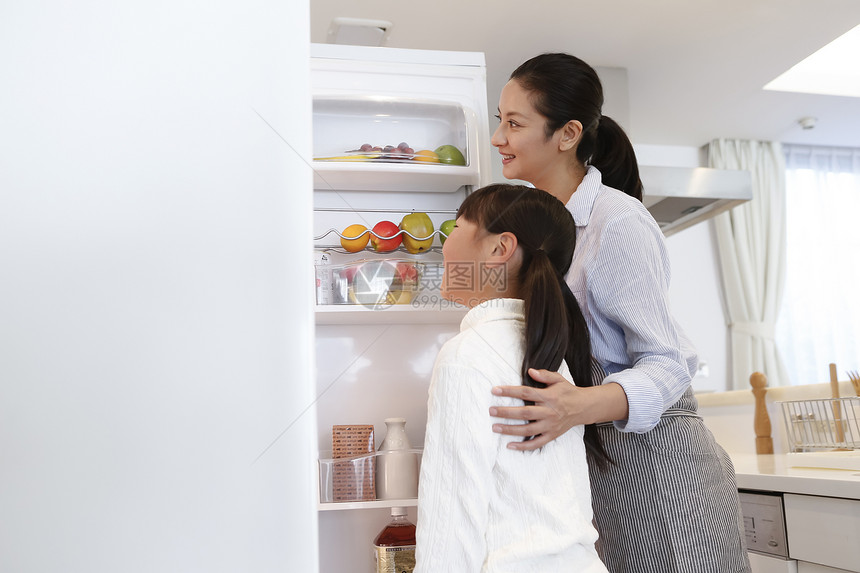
{"points": [[614, 156]]}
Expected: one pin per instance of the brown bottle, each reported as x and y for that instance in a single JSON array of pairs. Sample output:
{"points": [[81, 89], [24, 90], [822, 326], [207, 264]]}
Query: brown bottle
{"points": [[394, 547]]}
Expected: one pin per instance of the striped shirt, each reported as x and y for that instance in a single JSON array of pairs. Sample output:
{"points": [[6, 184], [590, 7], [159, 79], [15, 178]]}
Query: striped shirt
{"points": [[620, 276]]}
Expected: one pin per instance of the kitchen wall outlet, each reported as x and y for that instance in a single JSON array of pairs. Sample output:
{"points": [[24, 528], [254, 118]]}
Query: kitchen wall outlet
{"points": [[702, 371]]}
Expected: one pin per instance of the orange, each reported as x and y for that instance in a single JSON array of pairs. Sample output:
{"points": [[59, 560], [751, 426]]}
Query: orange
{"points": [[353, 240], [426, 155]]}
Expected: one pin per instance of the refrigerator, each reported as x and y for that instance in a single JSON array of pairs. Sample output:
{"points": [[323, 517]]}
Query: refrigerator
{"points": [[156, 321], [374, 356]]}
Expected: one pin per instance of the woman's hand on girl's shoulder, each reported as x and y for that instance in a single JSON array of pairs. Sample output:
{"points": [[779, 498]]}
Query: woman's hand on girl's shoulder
{"points": [[557, 408]]}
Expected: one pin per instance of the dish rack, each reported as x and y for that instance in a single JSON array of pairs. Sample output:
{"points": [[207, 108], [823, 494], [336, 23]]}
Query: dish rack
{"points": [[822, 425]]}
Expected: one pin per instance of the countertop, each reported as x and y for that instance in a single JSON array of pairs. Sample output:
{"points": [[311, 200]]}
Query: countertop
{"points": [[772, 473]]}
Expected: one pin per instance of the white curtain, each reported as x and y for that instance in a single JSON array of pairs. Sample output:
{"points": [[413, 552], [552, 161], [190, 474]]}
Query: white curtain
{"points": [[820, 319], [751, 243]]}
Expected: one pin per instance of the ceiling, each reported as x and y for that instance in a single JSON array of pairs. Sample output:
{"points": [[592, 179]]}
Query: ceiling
{"points": [[694, 68]]}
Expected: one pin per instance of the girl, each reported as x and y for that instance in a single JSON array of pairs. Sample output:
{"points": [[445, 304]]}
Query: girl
{"points": [[482, 506], [669, 503]]}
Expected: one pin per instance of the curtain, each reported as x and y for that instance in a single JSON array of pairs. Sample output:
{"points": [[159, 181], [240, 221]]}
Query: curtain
{"points": [[820, 319], [751, 245]]}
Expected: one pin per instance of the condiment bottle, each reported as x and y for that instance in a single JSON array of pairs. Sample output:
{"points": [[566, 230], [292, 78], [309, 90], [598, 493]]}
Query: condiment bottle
{"points": [[394, 547]]}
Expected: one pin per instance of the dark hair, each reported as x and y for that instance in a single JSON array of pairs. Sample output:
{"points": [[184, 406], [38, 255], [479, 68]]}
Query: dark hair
{"points": [[567, 88], [555, 328]]}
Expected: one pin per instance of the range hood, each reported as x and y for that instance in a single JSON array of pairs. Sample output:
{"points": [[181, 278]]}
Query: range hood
{"points": [[679, 197]]}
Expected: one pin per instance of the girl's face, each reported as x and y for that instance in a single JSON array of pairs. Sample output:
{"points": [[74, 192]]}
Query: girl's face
{"points": [[466, 252], [527, 154]]}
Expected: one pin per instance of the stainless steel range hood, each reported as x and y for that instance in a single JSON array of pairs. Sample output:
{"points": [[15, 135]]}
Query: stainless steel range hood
{"points": [[679, 197]]}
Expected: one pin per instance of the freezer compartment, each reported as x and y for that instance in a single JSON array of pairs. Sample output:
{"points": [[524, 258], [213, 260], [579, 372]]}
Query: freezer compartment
{"points": [[353, 479], [381, 143]]}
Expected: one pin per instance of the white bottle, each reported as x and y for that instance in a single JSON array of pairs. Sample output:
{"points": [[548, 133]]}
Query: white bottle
{"points": [[397, 463]]}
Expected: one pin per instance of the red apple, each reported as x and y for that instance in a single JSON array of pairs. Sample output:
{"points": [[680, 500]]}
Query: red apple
{"points": [[349, 272], [407, 272], [385, 237]]}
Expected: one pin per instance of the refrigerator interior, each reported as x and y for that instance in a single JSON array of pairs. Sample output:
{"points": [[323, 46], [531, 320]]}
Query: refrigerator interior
{"points": [[374, 361]]}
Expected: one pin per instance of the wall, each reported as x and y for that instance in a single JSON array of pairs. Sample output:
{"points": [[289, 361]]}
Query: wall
{"points": [[156, 363]]}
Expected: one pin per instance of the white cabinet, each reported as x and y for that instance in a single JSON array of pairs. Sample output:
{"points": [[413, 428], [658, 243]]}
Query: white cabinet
{"points": [[823, 531], [768, 564], [804, 567]]}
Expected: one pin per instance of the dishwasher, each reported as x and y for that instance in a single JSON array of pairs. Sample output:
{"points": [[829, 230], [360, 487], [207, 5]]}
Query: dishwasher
{"points": [[764, 527]]}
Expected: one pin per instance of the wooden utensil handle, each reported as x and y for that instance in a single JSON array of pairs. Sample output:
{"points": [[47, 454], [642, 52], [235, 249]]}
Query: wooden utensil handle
{"points": [[837, 409], [761, 419]]}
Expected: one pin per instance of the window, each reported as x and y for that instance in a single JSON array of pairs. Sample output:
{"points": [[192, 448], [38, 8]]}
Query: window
{"points": [[819, 322]]}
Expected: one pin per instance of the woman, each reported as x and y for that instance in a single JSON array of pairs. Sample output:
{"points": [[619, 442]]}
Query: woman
{"points": [[669, 503], [484, 507]]}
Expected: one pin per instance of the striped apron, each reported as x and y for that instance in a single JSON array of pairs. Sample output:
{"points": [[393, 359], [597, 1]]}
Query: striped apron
{"points": [[669, 504]]}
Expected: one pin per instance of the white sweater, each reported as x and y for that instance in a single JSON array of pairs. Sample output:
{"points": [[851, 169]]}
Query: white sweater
{"points": [[481, 506]]}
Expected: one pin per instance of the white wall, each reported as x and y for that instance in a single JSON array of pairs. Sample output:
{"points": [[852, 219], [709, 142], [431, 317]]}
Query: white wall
{"points": [[155, 318]]}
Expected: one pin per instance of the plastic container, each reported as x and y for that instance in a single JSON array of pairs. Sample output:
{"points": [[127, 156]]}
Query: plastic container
{"points": [[371, 283], [354, 468]]}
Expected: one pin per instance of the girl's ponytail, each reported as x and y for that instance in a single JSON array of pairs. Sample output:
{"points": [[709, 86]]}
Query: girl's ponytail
{"points": [[585, 365], [556, 331], [545, 313]]}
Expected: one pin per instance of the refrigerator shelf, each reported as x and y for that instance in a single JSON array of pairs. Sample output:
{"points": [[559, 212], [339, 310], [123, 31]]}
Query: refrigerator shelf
{"points": [[393, 177], [345, 122], [378, 504], [398, 314]]}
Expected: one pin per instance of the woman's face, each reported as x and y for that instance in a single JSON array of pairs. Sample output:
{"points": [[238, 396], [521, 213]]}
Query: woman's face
{"points": [[527, 154]]}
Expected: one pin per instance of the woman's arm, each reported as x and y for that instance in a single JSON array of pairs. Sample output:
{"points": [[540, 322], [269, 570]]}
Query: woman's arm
{"points": [[628, 287]]}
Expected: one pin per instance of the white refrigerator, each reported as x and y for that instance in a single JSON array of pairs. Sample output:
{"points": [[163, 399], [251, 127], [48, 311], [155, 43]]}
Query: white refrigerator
{"points": [[374, 360], [156, 311]]}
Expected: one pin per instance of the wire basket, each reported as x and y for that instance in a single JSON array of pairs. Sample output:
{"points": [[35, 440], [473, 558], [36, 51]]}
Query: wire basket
{"points": [[818, 425]]}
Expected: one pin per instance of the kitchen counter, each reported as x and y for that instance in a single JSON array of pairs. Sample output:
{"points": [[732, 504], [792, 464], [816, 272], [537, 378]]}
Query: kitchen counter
{"points": [[772, 473]]}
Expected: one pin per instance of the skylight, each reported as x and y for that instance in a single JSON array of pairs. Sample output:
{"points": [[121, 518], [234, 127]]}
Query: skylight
{"points": [[832, 70]]}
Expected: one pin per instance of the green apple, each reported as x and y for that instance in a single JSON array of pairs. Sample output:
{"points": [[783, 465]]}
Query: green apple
{"points": [[446, 227], [450, 155], [418, 225]]}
